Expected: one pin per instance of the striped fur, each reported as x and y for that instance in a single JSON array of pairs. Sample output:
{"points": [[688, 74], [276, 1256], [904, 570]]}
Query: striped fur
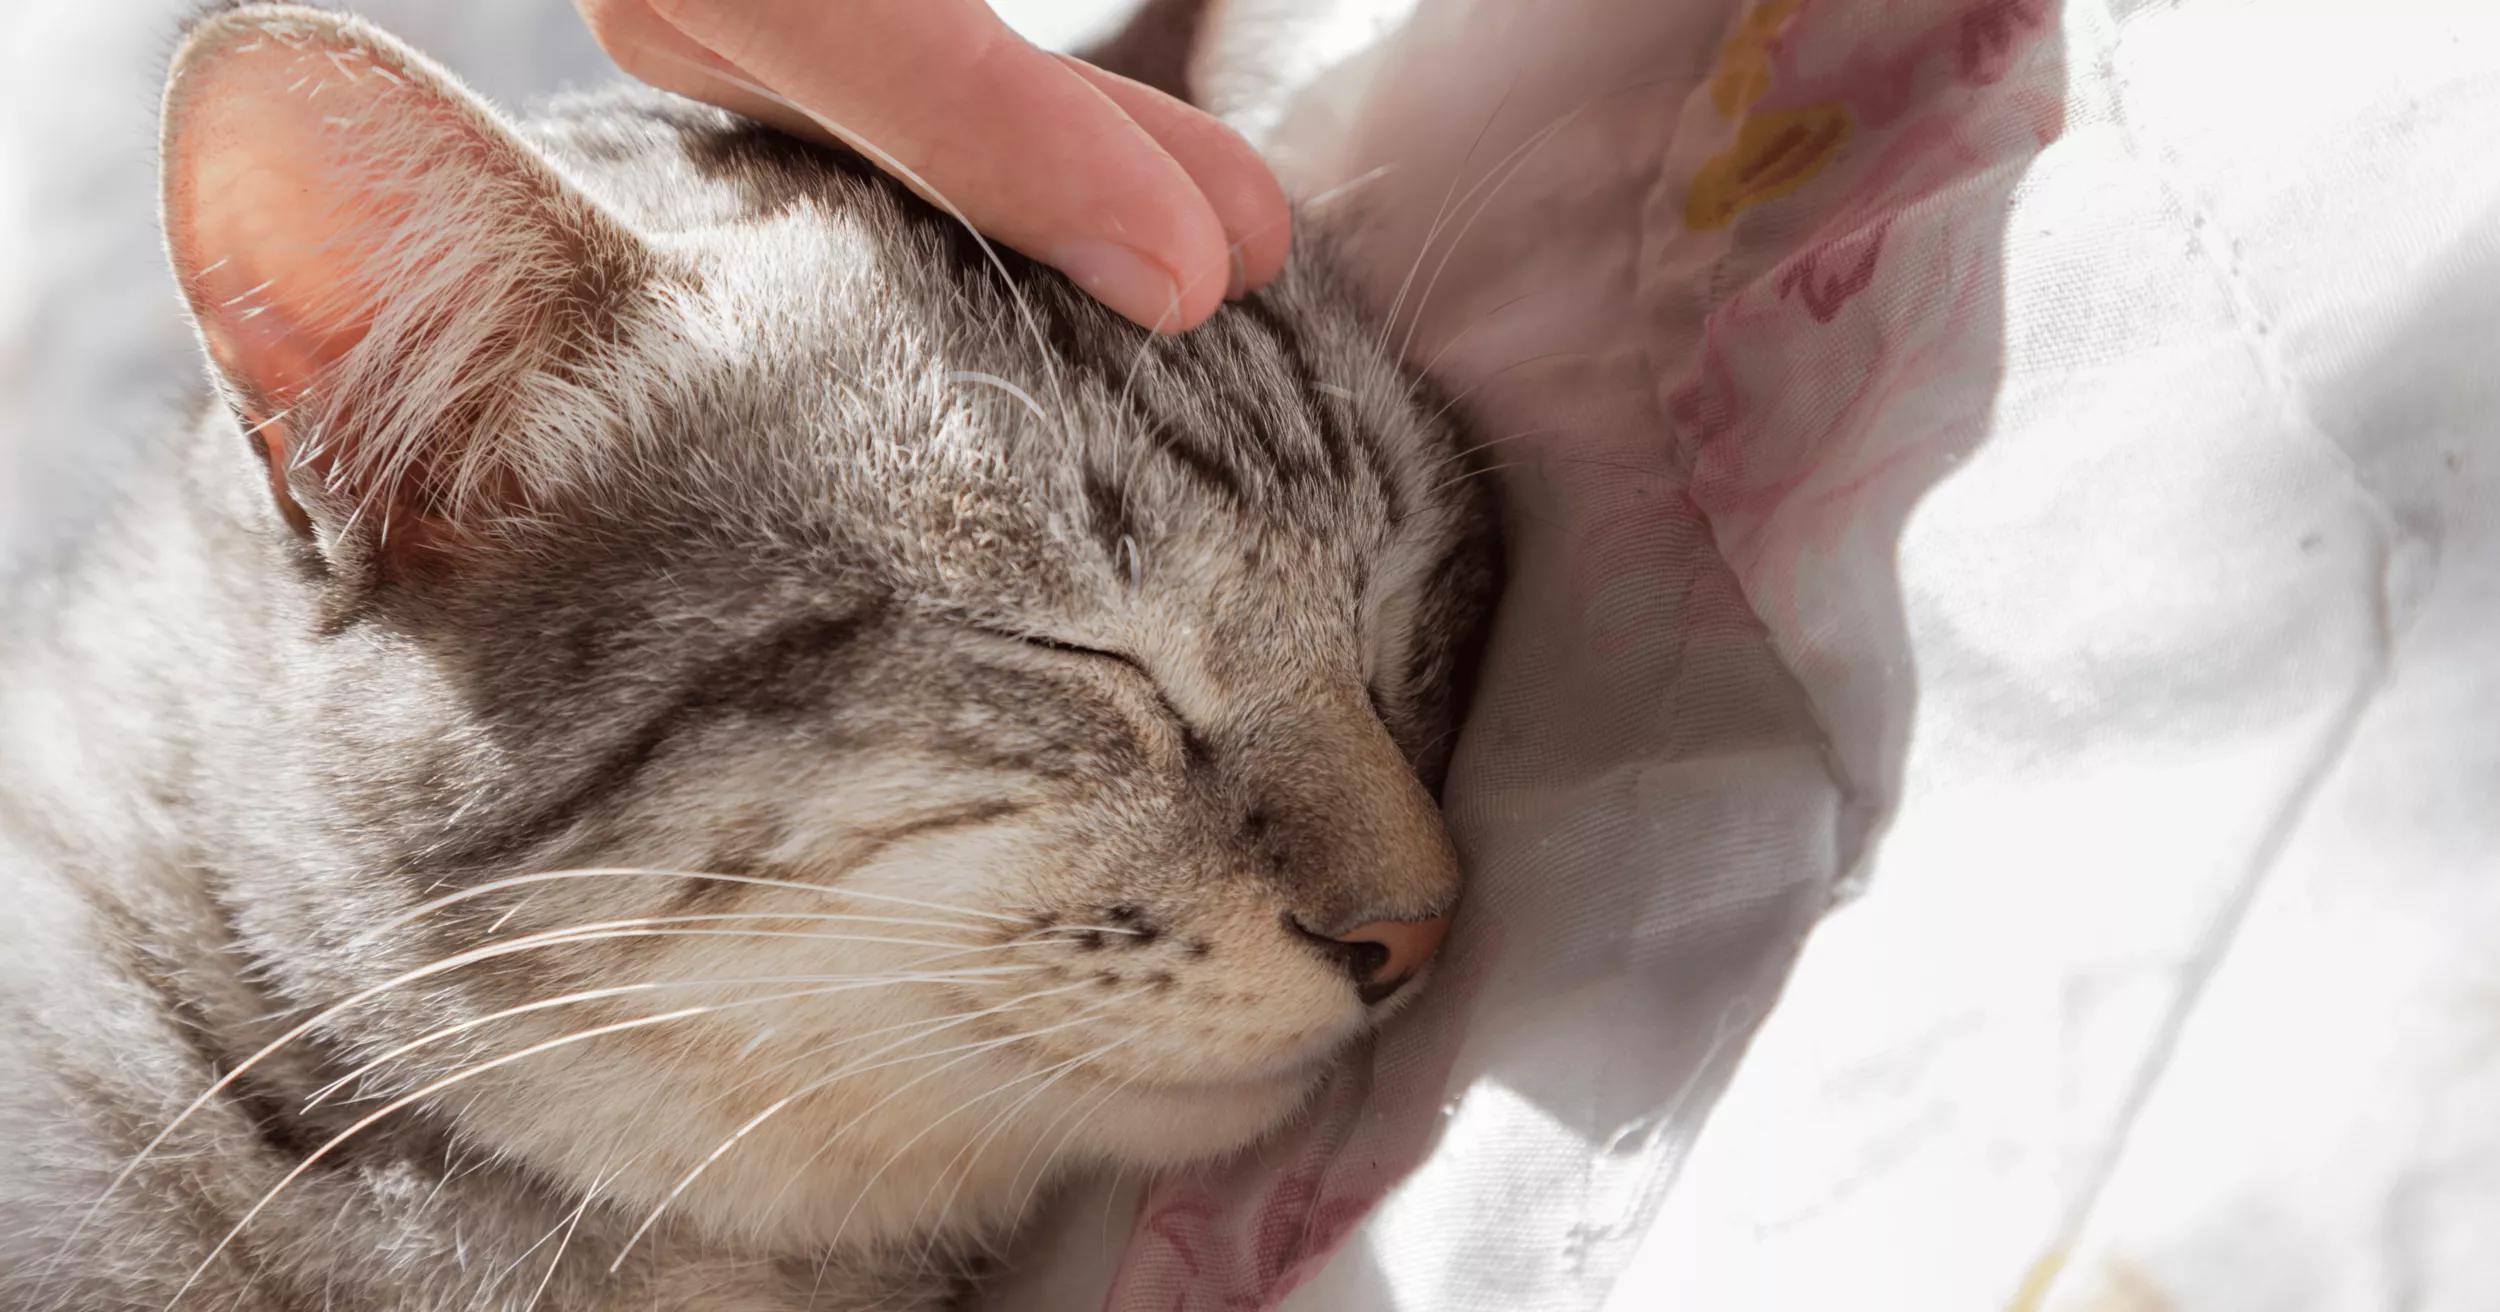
{"points": [[825, 550]]}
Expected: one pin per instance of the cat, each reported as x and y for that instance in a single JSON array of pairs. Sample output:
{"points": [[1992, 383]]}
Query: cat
{"points": [[679, 732]]}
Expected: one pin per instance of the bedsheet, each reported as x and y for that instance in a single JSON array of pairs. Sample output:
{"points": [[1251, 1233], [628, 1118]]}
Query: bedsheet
{"points": [[1986, 794]]}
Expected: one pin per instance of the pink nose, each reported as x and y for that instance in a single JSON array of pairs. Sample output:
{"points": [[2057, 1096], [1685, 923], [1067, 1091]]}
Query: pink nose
{"points": [[1380, 955]]}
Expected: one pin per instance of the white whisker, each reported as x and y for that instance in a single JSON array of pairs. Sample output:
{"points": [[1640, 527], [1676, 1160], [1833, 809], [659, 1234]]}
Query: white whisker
{"points": [[1509, 167], [849, 1069], [1041, 1176], [832, 983], [861, 1196], [1514, 161], [1472, 388], [596, 932], [474, 891], [1522, 434], [1363, 179], [980, 1143], [460, 1076], [898, 169], [1439, 214], [993, 380]]}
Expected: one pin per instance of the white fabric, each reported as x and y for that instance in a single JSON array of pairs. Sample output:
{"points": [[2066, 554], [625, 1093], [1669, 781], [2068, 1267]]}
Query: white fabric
{"points": [[2176, 673], [2069, 514]]}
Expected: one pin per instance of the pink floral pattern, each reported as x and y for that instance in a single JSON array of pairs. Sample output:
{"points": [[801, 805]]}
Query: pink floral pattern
{"points": [[1865, 128]]}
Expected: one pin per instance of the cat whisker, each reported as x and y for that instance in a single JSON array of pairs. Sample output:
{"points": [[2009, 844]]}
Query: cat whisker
{"points": [[1624, 466], [989, 1132], [1534, 139], [511, 911], [1154, 337], [1424, 370], [1109, 1094], [954, 949], [832, 983], [1509, 167], [980, 1144], [1034, 939], [718, 1097], [1110, 1195], [1330, 195], [1522, 434], [460, 1076], [848, 1069], [842, 1227], [493, 886], [926, 1025], [570, 1225], [897, 168], [595, 932], [454, 962], [1472, 388], [993, 380], [1439, 213], [1478, 472], [1120, 930], [562, 1226], [825, 917]]}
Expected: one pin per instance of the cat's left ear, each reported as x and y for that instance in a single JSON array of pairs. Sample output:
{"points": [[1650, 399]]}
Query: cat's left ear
{"points": [[400, 296]]}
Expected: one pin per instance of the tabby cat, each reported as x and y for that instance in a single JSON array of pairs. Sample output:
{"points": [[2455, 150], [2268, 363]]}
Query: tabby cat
{"points": [[682, 734]]}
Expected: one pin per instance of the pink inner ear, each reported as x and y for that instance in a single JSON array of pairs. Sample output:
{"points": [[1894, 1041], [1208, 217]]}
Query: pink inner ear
{"points": [[277, 226], [382, 272]]}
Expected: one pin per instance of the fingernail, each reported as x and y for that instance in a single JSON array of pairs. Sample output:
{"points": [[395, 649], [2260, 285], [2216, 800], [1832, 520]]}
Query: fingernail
{"points": [[1122, 279], [1238, 285]]}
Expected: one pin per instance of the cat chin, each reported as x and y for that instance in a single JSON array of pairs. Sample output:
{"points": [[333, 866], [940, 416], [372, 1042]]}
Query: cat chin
{"points": [[1141, 1129], [1186, 1122]]}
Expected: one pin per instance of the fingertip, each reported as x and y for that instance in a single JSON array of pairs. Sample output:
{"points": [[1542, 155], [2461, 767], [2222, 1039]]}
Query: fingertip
{"points": [[1230, 174], [1039, 160], [1266, 237], [1250, 203], [1138, 285]]}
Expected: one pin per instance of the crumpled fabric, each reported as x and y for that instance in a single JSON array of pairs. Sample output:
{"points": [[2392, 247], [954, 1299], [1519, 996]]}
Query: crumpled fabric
{"points": [[1985, 794]]}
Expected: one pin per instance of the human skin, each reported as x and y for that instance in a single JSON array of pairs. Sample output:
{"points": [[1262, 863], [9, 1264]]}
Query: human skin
{"points": [[1156, 209]]}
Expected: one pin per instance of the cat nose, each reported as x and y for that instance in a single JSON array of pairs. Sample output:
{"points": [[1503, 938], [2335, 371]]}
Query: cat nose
{"points": [[1379, 955]]}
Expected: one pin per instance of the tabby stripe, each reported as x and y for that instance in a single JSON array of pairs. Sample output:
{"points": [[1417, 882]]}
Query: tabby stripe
{"points": [[248, 1096], [1439, 599], [1207, 471], [701, 895], [1321, 408], [1108, 507], [965, 817], [1392, 495], [761, 679]]}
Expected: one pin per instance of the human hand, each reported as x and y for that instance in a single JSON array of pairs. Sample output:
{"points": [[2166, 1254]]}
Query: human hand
{"points": [[1158, 210]]}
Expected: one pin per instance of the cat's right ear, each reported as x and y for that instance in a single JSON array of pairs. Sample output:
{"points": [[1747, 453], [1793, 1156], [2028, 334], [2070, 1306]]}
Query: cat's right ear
{"points": [[401, 298]]}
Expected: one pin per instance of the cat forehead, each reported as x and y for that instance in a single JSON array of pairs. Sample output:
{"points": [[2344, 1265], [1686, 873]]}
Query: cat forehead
{"points": [[979, 414]]}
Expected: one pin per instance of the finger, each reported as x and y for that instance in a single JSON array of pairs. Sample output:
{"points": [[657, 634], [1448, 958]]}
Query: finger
{"points": [[1258, 225], [647, 47], [1024, 148]]}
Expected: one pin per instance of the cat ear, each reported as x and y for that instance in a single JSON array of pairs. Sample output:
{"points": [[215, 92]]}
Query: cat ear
{"points": [[398, 293]]}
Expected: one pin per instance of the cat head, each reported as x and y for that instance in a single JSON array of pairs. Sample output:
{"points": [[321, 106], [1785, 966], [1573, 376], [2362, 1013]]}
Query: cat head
{"points": [[840, 700]]}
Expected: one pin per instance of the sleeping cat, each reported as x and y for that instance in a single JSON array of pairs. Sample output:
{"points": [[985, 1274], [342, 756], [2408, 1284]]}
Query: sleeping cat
{"points": [[683, 734]]}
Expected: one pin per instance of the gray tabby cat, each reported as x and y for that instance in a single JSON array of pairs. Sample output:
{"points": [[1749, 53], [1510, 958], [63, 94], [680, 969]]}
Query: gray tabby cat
{"points": [[684, 735]]}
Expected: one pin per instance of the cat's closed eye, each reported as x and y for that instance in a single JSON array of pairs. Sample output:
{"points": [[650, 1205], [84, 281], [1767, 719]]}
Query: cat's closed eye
{"points": [[1193, 741], [585, 729], [1076, 649]]}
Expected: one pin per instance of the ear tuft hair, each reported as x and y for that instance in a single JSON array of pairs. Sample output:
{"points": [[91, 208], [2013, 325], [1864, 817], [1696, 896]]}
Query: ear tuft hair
{"points": [[399, 295]]}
